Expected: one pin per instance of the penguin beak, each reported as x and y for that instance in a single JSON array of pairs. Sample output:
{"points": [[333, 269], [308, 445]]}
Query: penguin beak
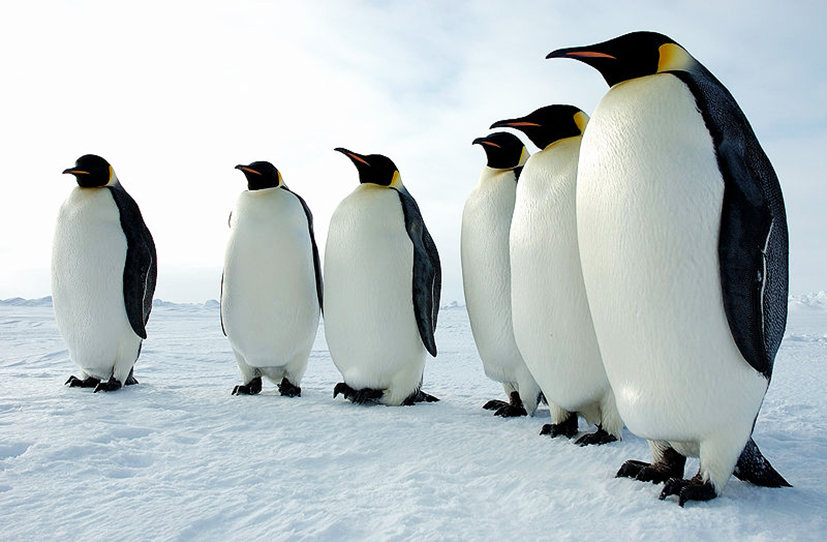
{"points": [[247, 169], [355, 157], [484, 141], [578, 54], [73, 171], [513, 123]]}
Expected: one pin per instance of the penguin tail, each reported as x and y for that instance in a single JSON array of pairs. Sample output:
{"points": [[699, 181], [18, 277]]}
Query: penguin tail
{"points": [[753, 467]]}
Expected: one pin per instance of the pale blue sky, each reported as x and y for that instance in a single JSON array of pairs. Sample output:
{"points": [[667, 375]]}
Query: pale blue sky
{"points": [[174, 94]]}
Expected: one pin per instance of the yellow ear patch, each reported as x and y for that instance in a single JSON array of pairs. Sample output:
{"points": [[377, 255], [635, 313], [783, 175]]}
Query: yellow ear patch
{"points": [[581, 120], [397, 180], [523, 157], [674, 57], [281, 182], [111, 175]]}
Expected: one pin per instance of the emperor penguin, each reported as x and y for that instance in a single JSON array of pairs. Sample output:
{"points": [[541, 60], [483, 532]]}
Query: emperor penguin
{"points": [[103, 276], [383, 278], [271, 288], [552, 322], [683, 242], [486, 273]]}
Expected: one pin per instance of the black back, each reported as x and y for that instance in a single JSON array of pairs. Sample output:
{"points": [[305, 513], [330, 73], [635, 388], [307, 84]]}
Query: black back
{"points": [[317, 268], [140, 270], [753, 244], [427, 272]]}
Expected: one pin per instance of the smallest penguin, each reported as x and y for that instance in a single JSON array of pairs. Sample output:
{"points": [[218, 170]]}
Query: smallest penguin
{"points": [[486, 273], [271, 288]]}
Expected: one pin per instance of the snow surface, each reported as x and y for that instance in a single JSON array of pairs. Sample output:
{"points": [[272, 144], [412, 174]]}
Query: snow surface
{"points": [[178, 458]]}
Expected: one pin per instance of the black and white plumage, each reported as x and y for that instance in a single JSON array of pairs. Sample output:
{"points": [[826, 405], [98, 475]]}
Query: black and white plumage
{"points": [[271, 287], [552, 323], [684, 245], [383, 280], [486, 273], [103, 276]]}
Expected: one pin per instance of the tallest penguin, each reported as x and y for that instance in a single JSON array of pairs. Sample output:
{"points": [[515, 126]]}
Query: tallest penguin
{"points": [[683, 241]]}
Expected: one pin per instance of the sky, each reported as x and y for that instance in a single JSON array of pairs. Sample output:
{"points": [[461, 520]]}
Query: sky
{"points": [[174, 94]]}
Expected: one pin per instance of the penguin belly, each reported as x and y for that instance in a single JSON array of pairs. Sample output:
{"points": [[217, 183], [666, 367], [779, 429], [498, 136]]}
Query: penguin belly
{"points": [[370, 325], [649, 200], [269, 305], [88, 256], [552, 321], [486, 280]]}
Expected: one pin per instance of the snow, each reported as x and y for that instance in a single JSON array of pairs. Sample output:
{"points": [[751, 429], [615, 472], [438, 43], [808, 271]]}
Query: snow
{"points": [[178, 458]]}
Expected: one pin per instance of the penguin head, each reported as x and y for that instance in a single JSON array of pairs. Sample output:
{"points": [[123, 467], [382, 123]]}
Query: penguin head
{"points": [[630, 56], [503, 150], [374, 168], [92, 171], [548, 124], [261, 175]]}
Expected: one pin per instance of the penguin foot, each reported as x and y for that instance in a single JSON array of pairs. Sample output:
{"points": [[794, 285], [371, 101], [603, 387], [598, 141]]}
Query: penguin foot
{"points": [[88, 382], [688, 490], [419, 396], [360, 397], [130, 379], [507, 410], [494, 404], [597, 438], [253, 387], [111, 385], [567, 428], [669, 466], [288, 389]]}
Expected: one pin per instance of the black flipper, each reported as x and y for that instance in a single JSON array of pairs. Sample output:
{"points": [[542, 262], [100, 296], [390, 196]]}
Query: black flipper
{"points": [[427, 272], [316, 263], [753, 467], [753, 242], [140, 268]]}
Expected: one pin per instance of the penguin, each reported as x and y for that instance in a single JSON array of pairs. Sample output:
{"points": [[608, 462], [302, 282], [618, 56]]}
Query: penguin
{"points": [[383, 278], [103, 276], [271, 287], [684, 247], [486, 273], [552, 322]]}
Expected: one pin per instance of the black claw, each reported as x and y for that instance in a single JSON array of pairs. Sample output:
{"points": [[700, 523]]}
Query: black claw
{"points": [[510, 411], [494, 404], [597, 438], [669, 466], [688, 490], [344, 389], [253, 387], [568, 428], [88, 382], [419, 396], [111, 385], [288, 389]]}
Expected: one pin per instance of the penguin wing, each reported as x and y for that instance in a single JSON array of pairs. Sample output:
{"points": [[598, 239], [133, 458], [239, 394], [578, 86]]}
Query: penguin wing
{"points": [[140, 268], [317, 268], [221, 305], [753, 240], [427, 272]]}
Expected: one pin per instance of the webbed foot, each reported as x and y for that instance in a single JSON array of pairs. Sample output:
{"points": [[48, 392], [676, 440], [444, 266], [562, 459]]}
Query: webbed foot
{"points": [[288, 389], [130, 379], [688, 490], [494, 404], [419, 396], [597, 438], [111, 385], [567, 428], [253, 387], [670, 465], [88, 382]]}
